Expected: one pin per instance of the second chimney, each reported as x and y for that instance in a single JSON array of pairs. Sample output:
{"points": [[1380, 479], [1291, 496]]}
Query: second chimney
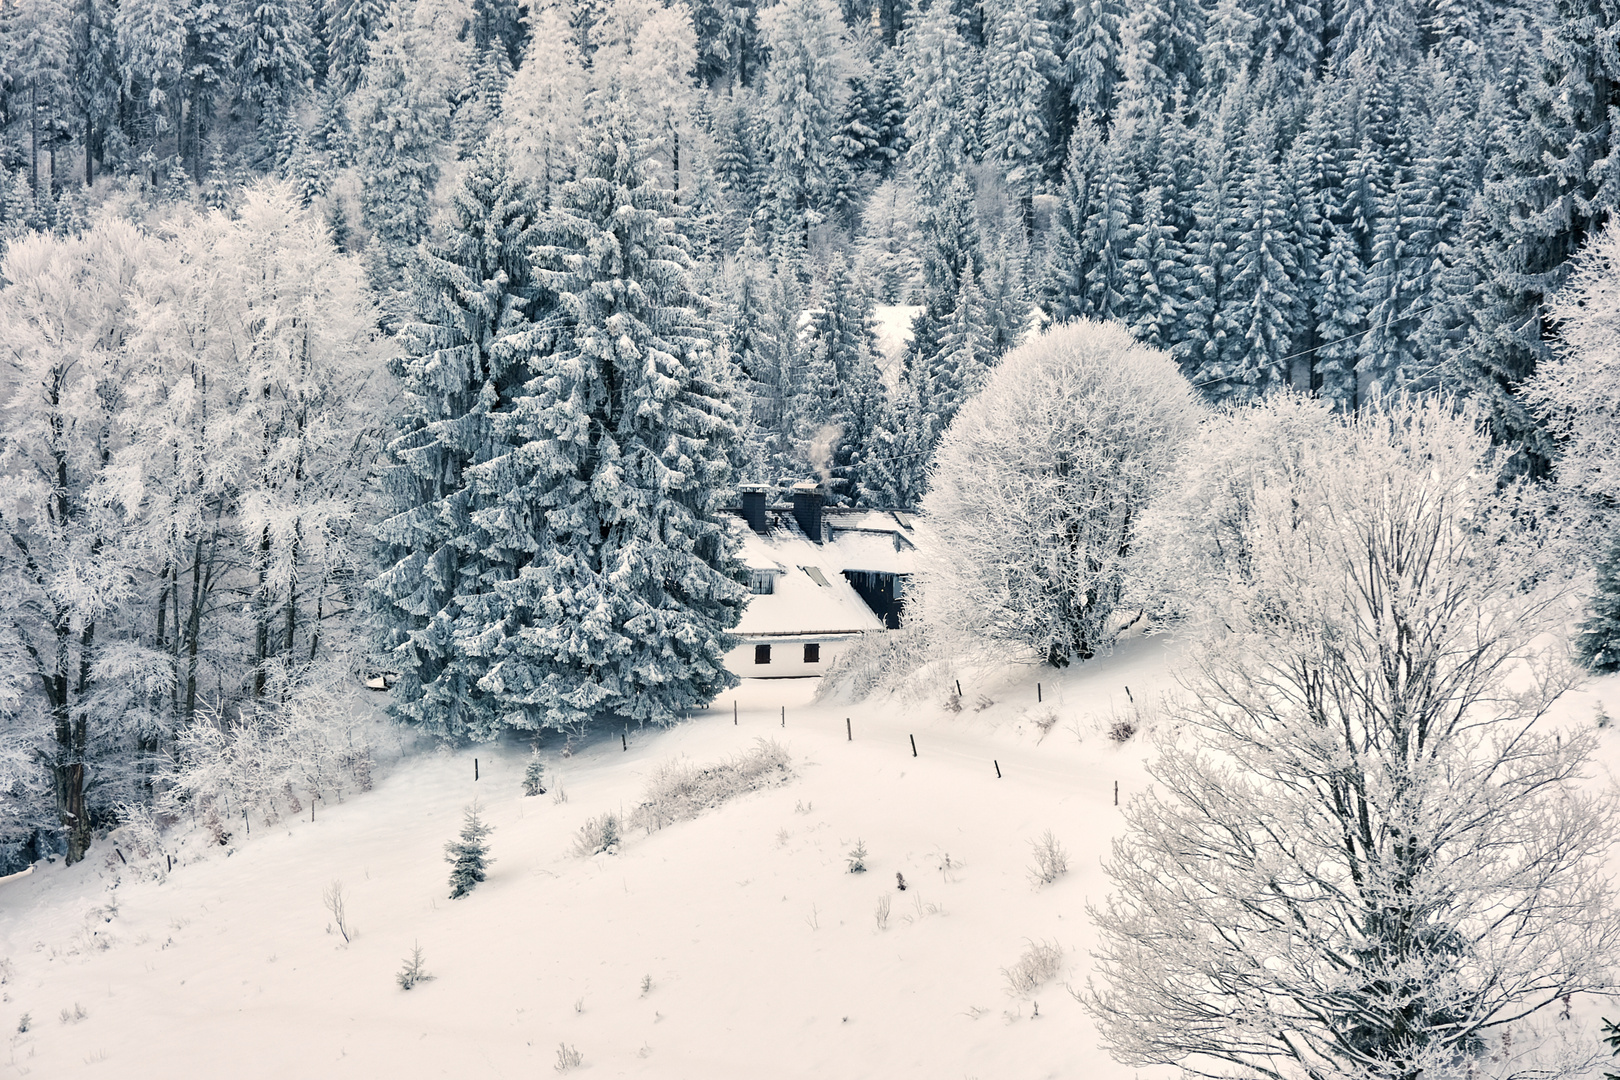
{"points": [[807, 499], [755, 497]]}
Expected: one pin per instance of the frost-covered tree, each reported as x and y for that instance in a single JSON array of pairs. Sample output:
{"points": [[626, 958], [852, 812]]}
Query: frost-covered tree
{"points": [[1152, 275], [1263, 306], [642, 66], [350, 25], [468, 856], [1354, 798], [68, 550], [938, 68], [401, 115], [1577, 389], [1091, 55], [957, 370], [1020, 62], [629, 584], [534, 775], [476, 299], [544, 104], [1069, 260], [1039, 483], [1597, 639], [801, 102], [272, 57]]}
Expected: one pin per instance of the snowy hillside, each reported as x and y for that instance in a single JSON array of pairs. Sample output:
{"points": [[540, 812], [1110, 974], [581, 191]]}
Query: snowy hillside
{"points": [[764, 954]]}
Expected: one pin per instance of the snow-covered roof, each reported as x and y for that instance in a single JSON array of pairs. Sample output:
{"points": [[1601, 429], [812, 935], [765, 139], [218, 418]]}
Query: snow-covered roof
{"points": [[810, 595], [873, 551]]}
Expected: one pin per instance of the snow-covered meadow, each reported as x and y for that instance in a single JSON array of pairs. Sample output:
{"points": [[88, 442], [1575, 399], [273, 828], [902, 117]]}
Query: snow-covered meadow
{"points": [[735, 944]]}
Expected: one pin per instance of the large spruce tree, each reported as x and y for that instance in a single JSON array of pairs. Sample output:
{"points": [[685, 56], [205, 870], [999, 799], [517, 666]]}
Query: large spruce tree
{"points": [[619, 466], [476, 299]]}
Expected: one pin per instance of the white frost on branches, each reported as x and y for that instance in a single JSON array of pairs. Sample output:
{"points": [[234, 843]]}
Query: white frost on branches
{"points": [[1038, 486], [1366, 854]]}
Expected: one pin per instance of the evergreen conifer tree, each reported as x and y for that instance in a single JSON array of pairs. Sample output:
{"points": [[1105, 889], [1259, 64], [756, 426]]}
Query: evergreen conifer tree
{"points": [[1020, 63], [1153, 287], [272, 57], [469, 856], [1341, 318], [629, 584], [957, 369], [938, 69], [534, 775], [1262, 306], [350, 25], [1597, 641], [1091, 55], [401, 117], [951, 248], [1206, 338], [475, 299], [801, 104], [1558, 178], [1106, 234], [1062, 294]]}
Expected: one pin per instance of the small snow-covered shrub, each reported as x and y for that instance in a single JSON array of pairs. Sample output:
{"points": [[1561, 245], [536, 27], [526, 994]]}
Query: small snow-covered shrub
{"points": [[597, 835], [1122, 729], [1051, 861], [857, 857], [679, 790], [568, 1058], [333, 900], [881, 913], [414, 971], [141, 838], [876, 660], [1039, 964], [75, 1014], [321, 741]]}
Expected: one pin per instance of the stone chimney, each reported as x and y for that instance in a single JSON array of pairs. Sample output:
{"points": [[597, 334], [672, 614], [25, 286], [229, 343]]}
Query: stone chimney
{"points": [[755, 498], [807, 500]]}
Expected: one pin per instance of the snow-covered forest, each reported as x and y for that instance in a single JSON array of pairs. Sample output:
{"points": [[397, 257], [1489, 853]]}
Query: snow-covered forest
{"points": [[426, 346]]}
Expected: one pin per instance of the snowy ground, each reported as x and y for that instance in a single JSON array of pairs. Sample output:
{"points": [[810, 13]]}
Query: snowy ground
{"points": [[763, 952]]}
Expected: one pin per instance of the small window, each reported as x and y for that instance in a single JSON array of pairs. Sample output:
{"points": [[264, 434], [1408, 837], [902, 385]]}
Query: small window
{"points": [[761, 582], [762, 654], [812, 653]]}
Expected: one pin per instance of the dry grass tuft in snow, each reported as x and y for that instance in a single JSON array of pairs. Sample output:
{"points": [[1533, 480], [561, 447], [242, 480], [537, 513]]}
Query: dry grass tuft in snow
{"points": [[1051, 860], [1039, 965], [568, 1058], [679, 790]]}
